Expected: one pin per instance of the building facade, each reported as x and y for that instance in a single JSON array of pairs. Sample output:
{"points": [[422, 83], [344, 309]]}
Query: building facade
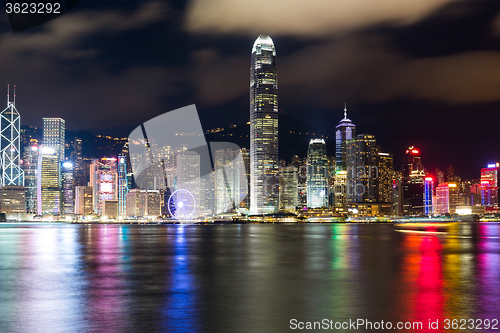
{"points": [[54, 135], [68, 188], [104, 181], [48, 182], [264, 193], [345, 131], [362, 171], [289, 184], [317, 174]]}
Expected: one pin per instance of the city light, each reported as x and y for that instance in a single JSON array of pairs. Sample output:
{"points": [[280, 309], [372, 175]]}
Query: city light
{"points": [[414, 151], [67, 165], [492, 165], [452, 185], [48, 150]]}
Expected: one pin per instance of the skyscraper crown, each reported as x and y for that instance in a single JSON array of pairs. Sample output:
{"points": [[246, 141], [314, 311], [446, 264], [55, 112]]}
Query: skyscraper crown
{"points": [[265, 43]]}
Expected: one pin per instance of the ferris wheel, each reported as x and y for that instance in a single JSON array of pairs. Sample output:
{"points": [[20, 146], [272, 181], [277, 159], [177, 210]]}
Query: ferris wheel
{"points": [[181, 205]]}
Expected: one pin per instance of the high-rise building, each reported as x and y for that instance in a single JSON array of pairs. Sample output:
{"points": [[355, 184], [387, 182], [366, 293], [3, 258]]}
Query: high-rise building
{"points": [[340, 188], [385, 177], [48, 182], [229, 184], [446, 198], [289, 194], [143, 203], [68, 188], [263, 128], [428, 195], [30, 165], [54, 134], [122, 185], [317, 174], [10, 153], [104, 181], [489, 188], [345, 131], [362, 171], [83, 200], [412, 183], [188, 174], [12, 199]]}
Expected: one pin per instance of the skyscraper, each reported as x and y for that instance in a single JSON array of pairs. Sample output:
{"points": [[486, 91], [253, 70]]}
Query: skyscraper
{"points": [[122, 185], [317, 174], [54, 131], [104, 182], [10, 135], [362, 172], [345, 131], [413, 183], [385, 177], [489, 188], [48, 182], [289, 194], [68, 188], [263, 128], [428, 194], [188, 174], [30, 165]]}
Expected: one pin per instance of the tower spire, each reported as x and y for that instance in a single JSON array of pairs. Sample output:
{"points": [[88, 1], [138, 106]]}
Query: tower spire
{"points": [[14, 95], [345, 110], [8, 98]]}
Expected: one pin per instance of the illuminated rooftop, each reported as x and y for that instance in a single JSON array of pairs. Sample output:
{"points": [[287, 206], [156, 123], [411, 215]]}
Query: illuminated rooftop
{"points": [[265, 43]]}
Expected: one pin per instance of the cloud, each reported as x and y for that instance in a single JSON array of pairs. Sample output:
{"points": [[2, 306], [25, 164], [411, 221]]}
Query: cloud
{"points": [[355, 67], [460, 78], [299, 17], [496, 25]]}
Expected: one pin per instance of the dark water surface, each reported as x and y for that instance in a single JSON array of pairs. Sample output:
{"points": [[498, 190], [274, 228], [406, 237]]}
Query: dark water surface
{"points": [[244, 278]]}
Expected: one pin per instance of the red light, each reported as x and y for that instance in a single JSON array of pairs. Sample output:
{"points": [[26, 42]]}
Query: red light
{"points": [[414, 151], [429, 178]]}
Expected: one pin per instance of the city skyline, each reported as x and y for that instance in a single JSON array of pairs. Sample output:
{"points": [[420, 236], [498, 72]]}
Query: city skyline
{"points": [[401, 81]]}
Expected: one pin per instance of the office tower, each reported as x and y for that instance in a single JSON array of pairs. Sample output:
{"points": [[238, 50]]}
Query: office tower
{"points": [[397, 192], [263, 128], [54, 132], [12, 199], [317, 174], [122, 185], [10, 154], [413, 183], [83, 200], [151, 201], [48, 181], [229, 184], [439, 176], [385, 177], [345, 131], [340, 188], [301, 164], [188, 174], [78, 149], [428, 194], [110, 209], [133, 203], [446, 198], [68, 188], [450, 175], [362, 169], [30, 165], [489, 188], [245, 153], [104, 182], [289, 194]]}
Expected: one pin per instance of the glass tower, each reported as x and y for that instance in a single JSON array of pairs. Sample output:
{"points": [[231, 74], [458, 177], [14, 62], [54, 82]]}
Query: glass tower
{"points": [[345, 131], [54, 130], [48, 182], [317, 174], [122, 185], [10, 122], [263, 128]]}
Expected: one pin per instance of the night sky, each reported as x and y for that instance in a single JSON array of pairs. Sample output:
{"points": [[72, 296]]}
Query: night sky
{"points": [[423, 73]]}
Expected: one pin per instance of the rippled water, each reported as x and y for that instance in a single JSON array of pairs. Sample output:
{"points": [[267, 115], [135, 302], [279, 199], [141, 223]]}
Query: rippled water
{"points": [[243, 278]]}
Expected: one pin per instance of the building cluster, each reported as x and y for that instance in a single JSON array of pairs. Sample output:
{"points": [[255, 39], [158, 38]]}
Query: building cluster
{"points": [[358, 180]]}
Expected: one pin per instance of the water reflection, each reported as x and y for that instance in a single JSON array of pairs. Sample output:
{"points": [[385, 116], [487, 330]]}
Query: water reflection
{"points": [[246, 278]]}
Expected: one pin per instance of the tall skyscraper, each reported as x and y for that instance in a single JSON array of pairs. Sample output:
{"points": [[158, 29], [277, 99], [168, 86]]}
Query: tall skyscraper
{"points": [[54, 134], [263, 128], [428, 194], [68, 188], [413, 183], [83, 200], [48, 182], [10, 154], [122, 185], [30, 165], [317, 174], [385, 177], [362, 174], [188, 174], [345, 131], [446, 198], [229, 183]]}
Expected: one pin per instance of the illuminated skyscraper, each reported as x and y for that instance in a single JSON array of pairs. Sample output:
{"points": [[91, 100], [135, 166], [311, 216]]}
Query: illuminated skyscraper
{"points": [[413, 183], [446, 198], [104, 182], [122, 185], [317, 174], [68, 188], [83, 200], [229, 184], [10, 154], [385, 177], [289, 194], [54, 132], [362, 173], [263, 128], [428, 194], [30, 165], [48, 182], [345, 131], [188, 174], [489, 188]]}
